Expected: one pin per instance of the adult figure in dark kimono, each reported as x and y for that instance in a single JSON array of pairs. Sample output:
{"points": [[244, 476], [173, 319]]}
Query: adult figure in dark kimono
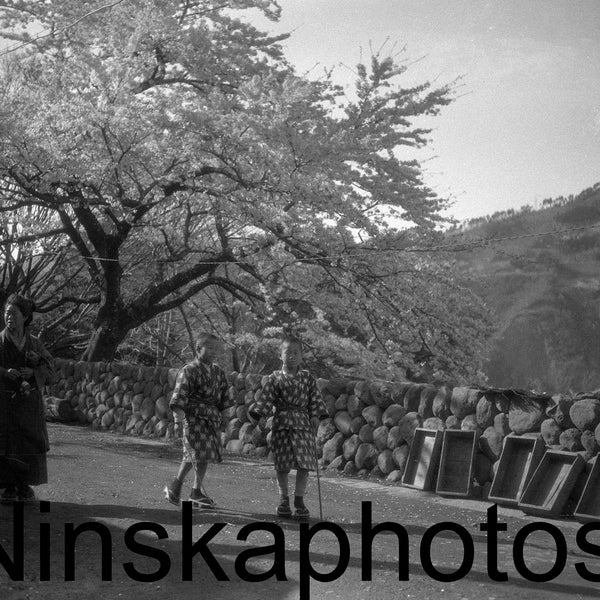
{"points": [[25, 365]]}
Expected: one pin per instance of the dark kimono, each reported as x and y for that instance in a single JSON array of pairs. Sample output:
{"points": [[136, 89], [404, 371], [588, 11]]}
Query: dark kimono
{"points": [[293, 400], [202, 392], [23, 433]]}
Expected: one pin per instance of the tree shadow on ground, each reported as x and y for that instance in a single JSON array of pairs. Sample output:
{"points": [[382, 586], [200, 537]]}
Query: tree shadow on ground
{"points": [[116, 519], [101, 551]]}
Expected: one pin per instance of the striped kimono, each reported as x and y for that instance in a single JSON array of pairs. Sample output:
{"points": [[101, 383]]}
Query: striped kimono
{"points": [[201, 391], [293, 400]]}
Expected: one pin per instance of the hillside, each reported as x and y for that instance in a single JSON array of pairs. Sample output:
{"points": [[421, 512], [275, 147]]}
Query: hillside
{"points": [[539, 272]]}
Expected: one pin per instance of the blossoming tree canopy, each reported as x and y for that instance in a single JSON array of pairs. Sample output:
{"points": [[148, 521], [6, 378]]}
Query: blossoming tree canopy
{"points": [[178, 152]]}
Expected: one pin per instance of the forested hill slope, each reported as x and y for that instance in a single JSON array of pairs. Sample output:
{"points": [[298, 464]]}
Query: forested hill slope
{"points": [[539, 271]]}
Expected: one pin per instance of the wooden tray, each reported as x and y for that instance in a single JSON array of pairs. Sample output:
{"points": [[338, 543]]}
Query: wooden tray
{"points": [[456, 463], [423, 459], [588, 507], [519, 459], [551, 484]]}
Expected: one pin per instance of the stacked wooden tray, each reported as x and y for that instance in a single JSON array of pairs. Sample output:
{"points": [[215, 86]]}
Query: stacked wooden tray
{"points": [[456, 463], [423, 459], [588, 507], [551, 484], [518, 461]]}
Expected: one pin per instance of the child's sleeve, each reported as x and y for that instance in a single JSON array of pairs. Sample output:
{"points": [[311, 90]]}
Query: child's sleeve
{"points": [[316, 405], [264, 405], [181, 392], [224, 398]]}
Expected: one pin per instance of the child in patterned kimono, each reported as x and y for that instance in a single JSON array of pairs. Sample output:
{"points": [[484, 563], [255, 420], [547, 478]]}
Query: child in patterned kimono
{"points": [[201, 393], [293, 397]]}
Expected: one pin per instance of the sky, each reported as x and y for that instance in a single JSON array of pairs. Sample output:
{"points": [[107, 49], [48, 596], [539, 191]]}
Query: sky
{"points": [[526, 122]]}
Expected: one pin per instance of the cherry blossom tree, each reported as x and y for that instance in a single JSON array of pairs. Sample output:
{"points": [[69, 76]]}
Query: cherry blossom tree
{"points": [[180, 153]]}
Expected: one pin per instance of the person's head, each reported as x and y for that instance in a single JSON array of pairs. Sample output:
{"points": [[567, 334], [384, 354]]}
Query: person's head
{"points": [[18, 313], [207, 347], [291, 352]]}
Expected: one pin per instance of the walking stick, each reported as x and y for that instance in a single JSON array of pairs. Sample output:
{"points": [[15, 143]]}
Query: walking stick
{"points": [[318, 476]]}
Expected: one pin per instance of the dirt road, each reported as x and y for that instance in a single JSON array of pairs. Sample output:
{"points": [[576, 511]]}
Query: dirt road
{"points": [[104, 516]]}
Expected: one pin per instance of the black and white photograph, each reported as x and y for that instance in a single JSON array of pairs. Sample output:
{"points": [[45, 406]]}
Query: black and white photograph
{"points": [[299, 299]]}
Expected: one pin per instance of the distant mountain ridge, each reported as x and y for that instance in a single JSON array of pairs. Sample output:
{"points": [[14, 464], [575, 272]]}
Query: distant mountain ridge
{"points": [[539, 272]]}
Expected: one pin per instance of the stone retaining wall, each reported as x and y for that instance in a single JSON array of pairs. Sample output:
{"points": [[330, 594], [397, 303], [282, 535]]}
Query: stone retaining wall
{"points": [[370, 425]]}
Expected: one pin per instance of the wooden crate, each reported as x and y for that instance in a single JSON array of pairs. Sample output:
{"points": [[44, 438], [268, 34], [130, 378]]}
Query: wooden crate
{"points": [[423, 459], [455, 474], [588, 506], [519, 459], [548, 489]]}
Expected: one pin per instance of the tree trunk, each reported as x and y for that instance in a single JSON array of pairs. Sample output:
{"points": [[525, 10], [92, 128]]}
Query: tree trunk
{"points": [[102, 346], [104, 341]]}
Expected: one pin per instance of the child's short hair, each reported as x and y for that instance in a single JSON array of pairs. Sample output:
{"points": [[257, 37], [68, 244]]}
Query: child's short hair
{"points": [[203, 338], [290, 340]]}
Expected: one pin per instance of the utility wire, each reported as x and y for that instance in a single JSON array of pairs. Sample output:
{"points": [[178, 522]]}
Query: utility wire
{"points": [[54, 30], [457, 246], [476, 242]]}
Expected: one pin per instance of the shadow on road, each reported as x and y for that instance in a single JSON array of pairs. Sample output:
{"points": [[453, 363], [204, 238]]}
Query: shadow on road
{"points": [[101, 550]]}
